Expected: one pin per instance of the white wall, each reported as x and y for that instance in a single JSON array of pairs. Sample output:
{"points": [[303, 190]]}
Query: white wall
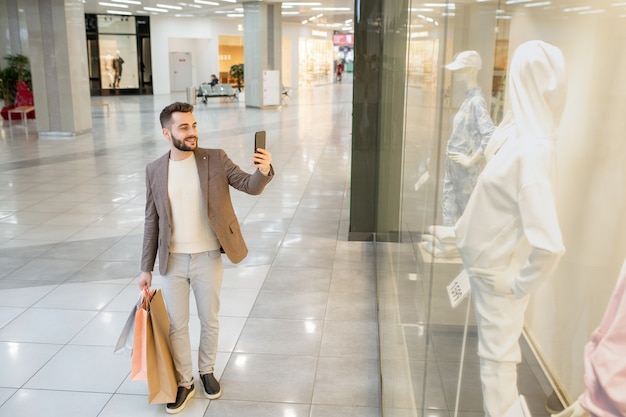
{"points": [[199, 36], [591, 192]]}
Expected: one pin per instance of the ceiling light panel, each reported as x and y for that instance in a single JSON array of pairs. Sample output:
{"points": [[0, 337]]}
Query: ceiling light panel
{"points": [[168, 6]]}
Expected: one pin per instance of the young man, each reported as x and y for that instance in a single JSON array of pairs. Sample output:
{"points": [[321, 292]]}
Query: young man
{"points": [[189, 221]]}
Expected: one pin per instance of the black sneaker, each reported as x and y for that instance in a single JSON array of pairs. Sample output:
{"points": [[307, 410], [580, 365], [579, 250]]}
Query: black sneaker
{"points": [[183, 395], [212, 388]]}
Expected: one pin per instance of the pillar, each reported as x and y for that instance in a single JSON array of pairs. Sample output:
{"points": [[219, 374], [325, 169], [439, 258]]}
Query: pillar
{"points": [[58, 58], [262, 51], [380, 42], [12, 19]]}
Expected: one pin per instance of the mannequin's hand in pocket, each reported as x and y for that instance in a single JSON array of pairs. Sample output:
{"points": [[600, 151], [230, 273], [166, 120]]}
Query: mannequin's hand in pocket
{"points": [[499, 281]]}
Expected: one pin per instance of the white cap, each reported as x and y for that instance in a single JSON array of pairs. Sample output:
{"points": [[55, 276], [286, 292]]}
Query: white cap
{"points": [[466, 59]]}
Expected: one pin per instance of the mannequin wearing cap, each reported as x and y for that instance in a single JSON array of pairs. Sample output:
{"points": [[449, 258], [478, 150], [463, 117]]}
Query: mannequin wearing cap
{"points": [[508, 236], [471, 129]]}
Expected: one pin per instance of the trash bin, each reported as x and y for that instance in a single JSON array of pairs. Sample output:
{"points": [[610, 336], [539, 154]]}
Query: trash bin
{"points": [[191, 95]]}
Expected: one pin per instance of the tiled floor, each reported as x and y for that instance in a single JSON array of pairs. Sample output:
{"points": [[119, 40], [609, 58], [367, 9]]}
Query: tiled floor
{"points": [[298, 320]]}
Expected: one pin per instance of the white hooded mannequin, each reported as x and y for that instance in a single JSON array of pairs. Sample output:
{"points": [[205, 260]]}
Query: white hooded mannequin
{"points": [[509, 236]]}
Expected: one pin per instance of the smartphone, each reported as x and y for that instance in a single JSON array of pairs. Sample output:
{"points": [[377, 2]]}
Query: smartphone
{"points": [[259, 140]]}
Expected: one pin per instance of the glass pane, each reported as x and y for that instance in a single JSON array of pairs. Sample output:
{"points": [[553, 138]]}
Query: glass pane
{"points": [[423, 337], [118, 62]]}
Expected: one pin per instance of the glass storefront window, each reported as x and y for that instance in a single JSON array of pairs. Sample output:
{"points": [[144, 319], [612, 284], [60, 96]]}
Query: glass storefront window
{"points": [[315, 61], [424, 340], [118, 62]]}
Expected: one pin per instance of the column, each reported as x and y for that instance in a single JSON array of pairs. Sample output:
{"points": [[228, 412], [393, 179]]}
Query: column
{"points": [[380, 45], [11, 20], [58, 58], [262, 51]]}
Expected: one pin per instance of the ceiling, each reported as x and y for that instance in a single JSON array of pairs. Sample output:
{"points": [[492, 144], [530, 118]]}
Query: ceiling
{"points": [[331, 14], [338, 14]]}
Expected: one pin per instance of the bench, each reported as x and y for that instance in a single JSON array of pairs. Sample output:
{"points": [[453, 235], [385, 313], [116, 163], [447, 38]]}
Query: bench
{"points": [[105, 105], [219, 90], [23, 112]]}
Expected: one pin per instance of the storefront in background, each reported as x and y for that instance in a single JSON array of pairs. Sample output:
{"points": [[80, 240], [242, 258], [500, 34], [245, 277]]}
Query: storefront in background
{"points": [[119, 57]]}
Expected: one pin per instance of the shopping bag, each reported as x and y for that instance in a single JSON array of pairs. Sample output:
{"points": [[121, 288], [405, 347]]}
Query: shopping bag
{"points": [[125, 341], [162, 385], [139, 362]]}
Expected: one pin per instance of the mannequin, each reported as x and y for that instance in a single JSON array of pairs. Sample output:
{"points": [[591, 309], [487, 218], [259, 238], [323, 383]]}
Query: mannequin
{"points": [[509, 236], [471, 129], [605, 369], [108, 68], [117, 70]]}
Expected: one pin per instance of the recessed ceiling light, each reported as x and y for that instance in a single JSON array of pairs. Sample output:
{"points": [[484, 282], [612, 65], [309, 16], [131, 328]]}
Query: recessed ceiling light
{"points": [[543, 3], [154, 9], [113, 5], [210, 3], [119, 12], [334, 9], [597, 11], [167, 6]]}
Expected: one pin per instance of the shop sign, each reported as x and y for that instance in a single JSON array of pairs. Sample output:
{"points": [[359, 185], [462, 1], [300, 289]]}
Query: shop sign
{"points": [[343, 39]]}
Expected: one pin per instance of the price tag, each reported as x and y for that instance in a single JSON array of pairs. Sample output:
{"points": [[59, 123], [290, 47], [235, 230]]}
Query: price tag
{"points": [[458, 289]]}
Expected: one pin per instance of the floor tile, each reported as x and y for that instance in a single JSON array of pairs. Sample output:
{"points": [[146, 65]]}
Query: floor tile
{"points": [[346, 307], [86, 296], [7, 314], [290, 305], [21, 360], [82, 368], [350, 339], [46, 326], [343, 411], [227, 408], [281, 337], [346, 381], [5, 393], [102, 330], [296, 279], [54, 270], [36, 403], [137, 406], [254, 377], [14, 293]]}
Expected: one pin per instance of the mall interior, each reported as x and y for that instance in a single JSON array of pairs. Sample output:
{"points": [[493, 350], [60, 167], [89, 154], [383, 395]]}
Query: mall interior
{"points": [[350, 301]]}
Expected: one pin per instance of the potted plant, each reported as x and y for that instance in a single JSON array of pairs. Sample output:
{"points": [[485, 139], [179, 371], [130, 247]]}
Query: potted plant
{"points": [[236, 73], [17, 70]]}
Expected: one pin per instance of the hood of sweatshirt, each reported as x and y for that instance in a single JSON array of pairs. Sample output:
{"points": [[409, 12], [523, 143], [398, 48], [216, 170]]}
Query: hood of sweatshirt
{"points": [[538, 89]]}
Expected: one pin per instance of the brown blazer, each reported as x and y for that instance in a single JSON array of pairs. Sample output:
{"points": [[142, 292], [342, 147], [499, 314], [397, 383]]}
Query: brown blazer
{"points": [[217, 172]]}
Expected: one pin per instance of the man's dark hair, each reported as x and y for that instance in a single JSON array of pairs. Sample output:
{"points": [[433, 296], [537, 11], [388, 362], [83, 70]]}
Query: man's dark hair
{"points": [[166, 113]]}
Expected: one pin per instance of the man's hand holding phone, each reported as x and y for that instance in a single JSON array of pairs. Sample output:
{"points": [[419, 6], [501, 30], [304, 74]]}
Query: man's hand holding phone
{"points": [[262, 158]]}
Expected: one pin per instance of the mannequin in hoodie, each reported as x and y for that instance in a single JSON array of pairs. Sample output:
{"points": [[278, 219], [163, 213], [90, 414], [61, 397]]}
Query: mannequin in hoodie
{"points": [[508, 236], [471, 129]]}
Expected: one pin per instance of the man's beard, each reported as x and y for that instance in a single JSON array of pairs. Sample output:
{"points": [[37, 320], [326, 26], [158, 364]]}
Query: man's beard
{"points": [[180, 143]]}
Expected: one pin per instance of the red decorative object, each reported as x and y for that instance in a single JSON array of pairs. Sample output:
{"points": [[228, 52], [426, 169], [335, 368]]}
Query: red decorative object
{"points": [[23, 97]]}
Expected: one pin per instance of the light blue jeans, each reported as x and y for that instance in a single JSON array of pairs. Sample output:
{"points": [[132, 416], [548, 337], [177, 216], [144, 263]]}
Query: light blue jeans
{"points": [[202, 272]]}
